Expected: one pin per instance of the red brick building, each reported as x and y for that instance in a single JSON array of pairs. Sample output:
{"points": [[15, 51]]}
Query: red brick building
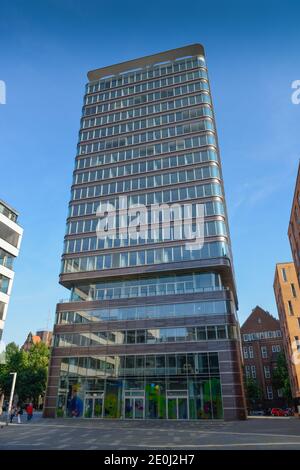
{"points": [[42, 336], [261, 343]]}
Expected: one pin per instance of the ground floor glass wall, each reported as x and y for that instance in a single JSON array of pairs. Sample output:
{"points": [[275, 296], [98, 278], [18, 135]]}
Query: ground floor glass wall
{"points": [[176, 392]]}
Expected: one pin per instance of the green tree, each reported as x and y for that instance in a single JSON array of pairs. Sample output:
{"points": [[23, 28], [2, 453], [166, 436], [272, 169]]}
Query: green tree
{"points": [[280, 377], [31, 367], [253, 392]]}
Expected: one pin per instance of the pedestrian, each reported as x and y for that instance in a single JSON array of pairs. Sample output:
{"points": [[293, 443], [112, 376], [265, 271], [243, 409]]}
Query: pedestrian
{"points": [[12, 414], [29, 411], [19, 413]]}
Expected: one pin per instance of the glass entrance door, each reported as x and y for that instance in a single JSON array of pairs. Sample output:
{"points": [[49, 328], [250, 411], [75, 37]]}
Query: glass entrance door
{"points": [[93, 406], [177, 408], [134, 408]]}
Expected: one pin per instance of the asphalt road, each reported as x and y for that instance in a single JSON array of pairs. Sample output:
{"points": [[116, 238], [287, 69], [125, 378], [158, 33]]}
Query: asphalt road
{"points": [[255, 433]]}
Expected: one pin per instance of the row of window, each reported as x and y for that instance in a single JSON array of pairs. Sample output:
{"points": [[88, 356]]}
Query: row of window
{"points": [[150, 286], [251, 372], [147, 182], [213, 228], [151, 336], [146, 74], [4, 284], [145, 166], [248, 351], [149, 165], [6, 259], [142, 312], [262, 335], [148, 98], [141, 111], [146, 199], [144, 257], [192, 210], [131, 126], [172, 364], [128, 115], [157, 149], [150, 136], [146, 86], [148, 151]]}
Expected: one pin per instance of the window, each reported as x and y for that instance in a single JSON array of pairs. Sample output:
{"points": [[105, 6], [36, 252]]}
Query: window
{"points": [[267, 372], [269, 392], [280, 393], [276, 348], [253, 372], [2, 305], [251, 355], [283, 272], [4, 283], [291, 311], [297, 343], [293, 290], [264, 352], [247, 370], [245, 352]]}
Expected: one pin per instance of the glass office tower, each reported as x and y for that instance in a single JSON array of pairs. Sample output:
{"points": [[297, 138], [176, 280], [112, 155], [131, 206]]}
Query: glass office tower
{"points": [[150, 329]]}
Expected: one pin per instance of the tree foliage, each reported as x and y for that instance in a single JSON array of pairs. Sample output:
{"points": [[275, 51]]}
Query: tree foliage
{"points": [[253, 391], [280, 377], [31, 367]]}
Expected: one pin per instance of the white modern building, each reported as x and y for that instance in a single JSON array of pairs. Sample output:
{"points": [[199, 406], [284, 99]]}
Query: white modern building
{"points": [[10, 241]]}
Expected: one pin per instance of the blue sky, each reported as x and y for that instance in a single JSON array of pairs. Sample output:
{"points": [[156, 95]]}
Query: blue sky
{"points": [[47, 47]]}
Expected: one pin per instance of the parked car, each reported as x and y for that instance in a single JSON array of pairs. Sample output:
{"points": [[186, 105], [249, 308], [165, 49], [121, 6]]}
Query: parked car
{"points": [[279, 412], [288, 412], [256, 413]]}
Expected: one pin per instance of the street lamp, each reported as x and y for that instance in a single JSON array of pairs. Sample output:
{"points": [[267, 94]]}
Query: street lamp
{"points": [[11, 395]]}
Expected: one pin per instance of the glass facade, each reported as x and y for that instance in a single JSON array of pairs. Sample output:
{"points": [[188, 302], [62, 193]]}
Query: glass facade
{"points": [[165, 386], [140, 312], [148, 286], [150, 321], [142, 336]]}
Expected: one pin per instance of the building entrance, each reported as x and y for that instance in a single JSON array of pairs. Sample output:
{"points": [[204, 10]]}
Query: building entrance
{"points": [[177, 407], [93, 405]]}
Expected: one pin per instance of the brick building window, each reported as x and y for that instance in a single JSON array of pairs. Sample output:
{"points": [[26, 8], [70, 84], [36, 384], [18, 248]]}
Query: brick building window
{"points": [[253, 372], [293, 290], [264, 352], [291, 310], [245, 352], [247, 370], [283, 272], [267, 372], [269, 392], [251, 355]]}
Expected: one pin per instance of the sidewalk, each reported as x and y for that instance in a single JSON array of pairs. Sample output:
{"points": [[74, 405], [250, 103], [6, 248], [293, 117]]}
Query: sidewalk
{"points": [[37, 417]]}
